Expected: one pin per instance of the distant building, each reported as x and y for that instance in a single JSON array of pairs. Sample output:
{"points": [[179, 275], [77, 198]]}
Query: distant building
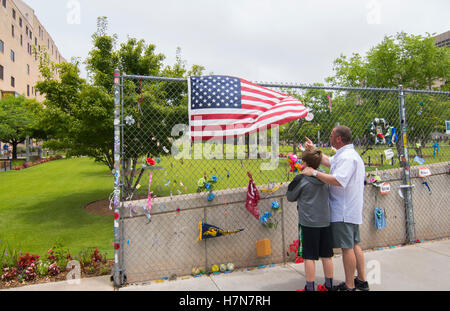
{"points": [[443, 39], [22, 38]]}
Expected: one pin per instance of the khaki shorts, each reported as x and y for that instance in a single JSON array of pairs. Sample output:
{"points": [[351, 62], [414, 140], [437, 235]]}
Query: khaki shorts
{"points": [[345, 235]]}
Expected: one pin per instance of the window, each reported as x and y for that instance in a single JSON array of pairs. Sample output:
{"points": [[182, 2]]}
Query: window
{"points": [[28, 90], [28, 69], [12, 30], [4, 3], [21, 40], [1, 72], [14, 13], [26, 30], [20, 22], [13, 82], [13, 56], [2, 46]]}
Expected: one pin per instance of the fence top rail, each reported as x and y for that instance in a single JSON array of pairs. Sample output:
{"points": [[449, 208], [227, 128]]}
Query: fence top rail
{"points": [[298, 86]]}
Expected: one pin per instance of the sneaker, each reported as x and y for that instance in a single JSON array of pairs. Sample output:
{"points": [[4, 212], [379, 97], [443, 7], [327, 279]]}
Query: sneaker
{"points": [[322, 288], [343, 288], [303, 290], [360, 285]]}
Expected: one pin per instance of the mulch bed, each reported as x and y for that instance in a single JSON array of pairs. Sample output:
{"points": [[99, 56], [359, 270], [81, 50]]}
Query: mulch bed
{"points": [[100, 207]]}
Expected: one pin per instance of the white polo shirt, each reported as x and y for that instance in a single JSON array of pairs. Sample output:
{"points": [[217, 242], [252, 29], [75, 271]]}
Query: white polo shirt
{"points": [[347, 202]]}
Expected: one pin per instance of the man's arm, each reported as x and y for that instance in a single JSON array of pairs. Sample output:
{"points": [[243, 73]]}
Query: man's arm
{"points": [[325, 158], [326, 178]]}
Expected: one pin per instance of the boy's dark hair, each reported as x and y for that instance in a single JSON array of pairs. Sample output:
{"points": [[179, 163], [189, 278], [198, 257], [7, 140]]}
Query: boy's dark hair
{"points": [[312, 157], [345, 133]]}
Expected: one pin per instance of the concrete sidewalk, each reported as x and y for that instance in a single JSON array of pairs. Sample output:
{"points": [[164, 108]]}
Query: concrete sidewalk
{"points": [[419, 267]]}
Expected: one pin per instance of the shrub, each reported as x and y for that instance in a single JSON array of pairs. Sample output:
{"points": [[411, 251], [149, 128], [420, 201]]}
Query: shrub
{"points": [[27, 164], [9, 273], [85, 256], [9, 257], [27, 260], [53, 269], [60, 255], [42, 268], [105, 269], [96, 257], [30, 272]]}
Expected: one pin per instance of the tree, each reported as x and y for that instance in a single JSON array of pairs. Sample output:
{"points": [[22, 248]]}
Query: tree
{"points": [[79, 115], [408, 60], [18, 118], [74, 112]]}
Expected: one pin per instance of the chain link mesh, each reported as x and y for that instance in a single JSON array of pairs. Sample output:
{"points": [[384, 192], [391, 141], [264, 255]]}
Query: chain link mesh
{"points": [[154, 117], [429, 147]]}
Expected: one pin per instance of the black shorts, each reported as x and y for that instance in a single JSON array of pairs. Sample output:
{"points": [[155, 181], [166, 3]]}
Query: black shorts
{"points": [[316, 242]]}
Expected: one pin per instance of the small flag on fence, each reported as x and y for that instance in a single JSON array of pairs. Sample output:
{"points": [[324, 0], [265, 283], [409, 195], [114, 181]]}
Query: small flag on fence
{"points": [[221, 106], [209, 231], [253, 197]]}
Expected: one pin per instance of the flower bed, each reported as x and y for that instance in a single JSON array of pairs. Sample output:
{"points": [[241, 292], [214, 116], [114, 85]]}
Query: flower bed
{"points": [[20, 270]]}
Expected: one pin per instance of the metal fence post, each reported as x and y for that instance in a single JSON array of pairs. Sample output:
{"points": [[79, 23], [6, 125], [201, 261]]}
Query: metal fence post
{"points": [[117, 139], [404, 163]]}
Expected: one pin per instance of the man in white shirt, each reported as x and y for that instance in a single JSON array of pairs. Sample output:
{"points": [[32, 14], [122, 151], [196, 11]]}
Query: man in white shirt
{"points": [[346, 180]]}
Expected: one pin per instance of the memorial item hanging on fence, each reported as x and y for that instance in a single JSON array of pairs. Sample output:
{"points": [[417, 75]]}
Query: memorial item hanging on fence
{"points": [[209, 231], [385, 188], [389, 154], [129, 120], [221, 106], [376, 129], [295, 163], [148, 206], [263, 248], [419, 160], [309, 117], [424, 172], [380, 219], [252, 198]]}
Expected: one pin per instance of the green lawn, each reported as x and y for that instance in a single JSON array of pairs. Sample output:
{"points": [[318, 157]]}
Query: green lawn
{"points": [[44, 204]]}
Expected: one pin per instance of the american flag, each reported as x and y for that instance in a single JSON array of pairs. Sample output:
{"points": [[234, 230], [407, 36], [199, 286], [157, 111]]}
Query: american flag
{"points": [[223, 106]]}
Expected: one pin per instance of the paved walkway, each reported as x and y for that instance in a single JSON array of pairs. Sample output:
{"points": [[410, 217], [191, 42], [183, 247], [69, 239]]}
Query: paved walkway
{"points": [[419, 267]]}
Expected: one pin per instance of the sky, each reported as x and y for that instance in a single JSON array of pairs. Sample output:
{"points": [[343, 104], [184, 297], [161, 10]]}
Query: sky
{"points": [[285, 41]]}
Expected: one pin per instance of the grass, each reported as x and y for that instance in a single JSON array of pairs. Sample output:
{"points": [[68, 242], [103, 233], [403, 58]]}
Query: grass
{"points": [[44, 204]]}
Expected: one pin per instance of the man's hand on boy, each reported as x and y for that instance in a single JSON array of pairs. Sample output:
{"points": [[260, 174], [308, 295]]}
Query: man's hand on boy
{"points": [[308, 171]]}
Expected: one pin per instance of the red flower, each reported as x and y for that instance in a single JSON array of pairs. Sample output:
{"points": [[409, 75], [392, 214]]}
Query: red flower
{"points": [[150, 161], [294, 247]]}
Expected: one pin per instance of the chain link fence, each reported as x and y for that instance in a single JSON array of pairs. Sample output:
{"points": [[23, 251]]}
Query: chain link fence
{"points": [[158, 238]]}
